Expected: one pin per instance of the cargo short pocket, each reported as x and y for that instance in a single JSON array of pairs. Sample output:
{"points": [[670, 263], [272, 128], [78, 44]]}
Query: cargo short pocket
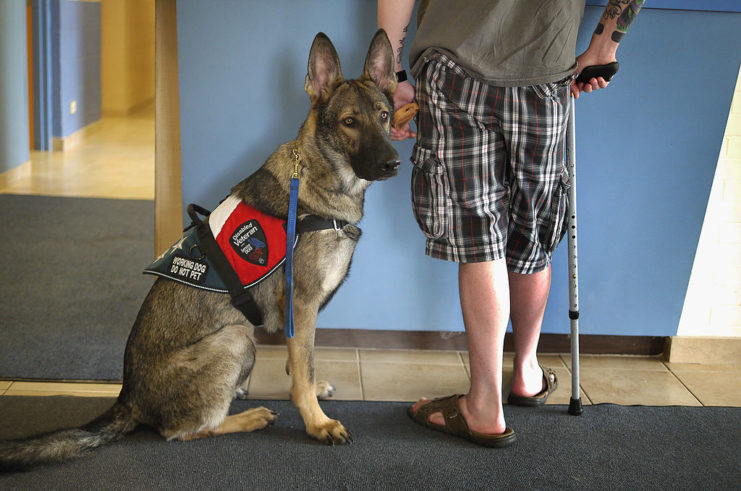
{"points": [[553, 90], [430, 193], [559, 212]]}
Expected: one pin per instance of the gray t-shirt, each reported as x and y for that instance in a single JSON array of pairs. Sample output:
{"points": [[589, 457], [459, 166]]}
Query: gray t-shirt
{"points": [[502, 42]]}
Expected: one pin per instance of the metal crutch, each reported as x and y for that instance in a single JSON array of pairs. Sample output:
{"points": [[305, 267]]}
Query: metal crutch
{"points": [[575, 406], [605, 71]]}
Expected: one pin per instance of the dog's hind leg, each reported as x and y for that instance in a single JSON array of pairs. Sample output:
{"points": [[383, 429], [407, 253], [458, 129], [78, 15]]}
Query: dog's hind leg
{"points": [[203, 379], [324, 389], [242, 391], [250, 420]]}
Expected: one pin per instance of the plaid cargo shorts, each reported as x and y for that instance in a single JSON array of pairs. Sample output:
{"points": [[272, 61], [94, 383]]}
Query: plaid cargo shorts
{"points": [[489, 179]]}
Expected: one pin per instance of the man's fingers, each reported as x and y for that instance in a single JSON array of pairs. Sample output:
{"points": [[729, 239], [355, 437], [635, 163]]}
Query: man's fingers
{"points": [[402, 134]]}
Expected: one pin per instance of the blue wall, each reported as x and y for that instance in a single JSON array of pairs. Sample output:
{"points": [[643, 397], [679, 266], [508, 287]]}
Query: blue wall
{"points": [[13, 85], [76, 65], [647, 150]]}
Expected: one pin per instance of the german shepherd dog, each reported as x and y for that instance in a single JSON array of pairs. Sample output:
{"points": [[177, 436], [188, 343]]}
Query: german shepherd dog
{"points": [[190, 351]]}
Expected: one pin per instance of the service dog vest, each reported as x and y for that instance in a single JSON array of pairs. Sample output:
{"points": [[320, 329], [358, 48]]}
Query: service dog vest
{"points": [[254, 244], [238, 248]]}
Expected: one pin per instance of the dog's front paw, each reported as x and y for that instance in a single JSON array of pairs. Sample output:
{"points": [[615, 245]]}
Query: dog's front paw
{"points": [[324, 389], [332, 432], [261, 417]]}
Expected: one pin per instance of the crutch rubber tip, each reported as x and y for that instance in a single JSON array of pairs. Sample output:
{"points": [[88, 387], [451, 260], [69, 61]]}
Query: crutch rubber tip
{"points": [[575, 407]]}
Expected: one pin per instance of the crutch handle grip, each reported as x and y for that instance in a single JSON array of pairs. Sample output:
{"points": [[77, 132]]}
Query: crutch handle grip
{"points": [[595, 71]]}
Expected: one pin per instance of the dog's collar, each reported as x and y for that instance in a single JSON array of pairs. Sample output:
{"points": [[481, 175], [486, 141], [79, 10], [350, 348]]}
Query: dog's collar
{"points": [[312, 223]]}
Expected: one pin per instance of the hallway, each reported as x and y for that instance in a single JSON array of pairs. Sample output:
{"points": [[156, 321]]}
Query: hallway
{"points": [[114, 159]]}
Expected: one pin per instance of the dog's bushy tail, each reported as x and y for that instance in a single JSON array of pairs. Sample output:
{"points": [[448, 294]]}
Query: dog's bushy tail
{"points": [[16, 455]]}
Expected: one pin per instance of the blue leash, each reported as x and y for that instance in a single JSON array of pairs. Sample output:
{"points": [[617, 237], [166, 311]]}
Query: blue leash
{"points": [[290, 240]]}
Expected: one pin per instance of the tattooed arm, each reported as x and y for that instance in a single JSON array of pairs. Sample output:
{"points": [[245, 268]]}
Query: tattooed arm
{"points": [[613, 25], [394, 17]]}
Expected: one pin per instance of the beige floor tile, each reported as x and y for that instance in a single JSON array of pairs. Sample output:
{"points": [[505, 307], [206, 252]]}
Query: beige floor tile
{"points": [[344, 375], [272, 352], [553, 361], [635, 387], [63, 388], [410, 381], [701, 367], [336, 354], [713, 388], [330, 354], [617, 362], [4, 384], [436, 357], [269, 380]]}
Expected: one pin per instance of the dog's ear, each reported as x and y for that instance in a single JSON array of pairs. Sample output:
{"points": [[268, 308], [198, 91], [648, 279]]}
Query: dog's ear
{"points": [[324, 69], [379, 64]]}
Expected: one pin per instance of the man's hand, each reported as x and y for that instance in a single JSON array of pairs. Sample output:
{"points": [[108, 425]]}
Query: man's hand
{"points": [[404, 95], [612, 26], [584, 60]]}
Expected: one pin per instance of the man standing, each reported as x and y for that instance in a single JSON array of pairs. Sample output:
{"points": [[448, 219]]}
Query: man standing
{"points": [[489, 183]]}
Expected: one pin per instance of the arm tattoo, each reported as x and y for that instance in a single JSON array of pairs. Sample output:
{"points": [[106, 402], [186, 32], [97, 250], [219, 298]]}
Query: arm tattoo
{"points": [[628, 14], [624, 11], [401, 45]]}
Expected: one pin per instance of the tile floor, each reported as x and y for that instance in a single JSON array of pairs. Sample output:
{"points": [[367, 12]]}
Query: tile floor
{"points": [[116, 160], [406, 375]]}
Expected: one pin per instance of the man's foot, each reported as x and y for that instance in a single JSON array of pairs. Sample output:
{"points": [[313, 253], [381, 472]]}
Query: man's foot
{"points": [[450, 415], [548, 385]]}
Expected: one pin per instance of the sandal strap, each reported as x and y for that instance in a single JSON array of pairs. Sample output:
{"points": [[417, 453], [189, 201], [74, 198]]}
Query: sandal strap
{"points": [[448, 406], [550, 379]]}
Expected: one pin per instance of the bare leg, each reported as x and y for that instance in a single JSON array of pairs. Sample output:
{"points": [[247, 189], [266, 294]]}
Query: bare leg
{"points": [[484, 293], [528, 298], [250, 420]]}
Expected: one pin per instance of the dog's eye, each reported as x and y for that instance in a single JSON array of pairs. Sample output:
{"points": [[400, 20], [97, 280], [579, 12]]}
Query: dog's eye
{"points": [[384, 115], [349, 122]]}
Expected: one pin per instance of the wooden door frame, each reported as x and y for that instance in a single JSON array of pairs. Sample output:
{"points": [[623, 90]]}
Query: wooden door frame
{"points": [[168, 203]]}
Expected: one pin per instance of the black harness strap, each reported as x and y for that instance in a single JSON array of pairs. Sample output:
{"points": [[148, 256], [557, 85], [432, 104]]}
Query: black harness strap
{"points": [[312, 223], [241, 298]]}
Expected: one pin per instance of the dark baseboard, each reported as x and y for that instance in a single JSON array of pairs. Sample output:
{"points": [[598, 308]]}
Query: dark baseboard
{"points": [[435, 340]]}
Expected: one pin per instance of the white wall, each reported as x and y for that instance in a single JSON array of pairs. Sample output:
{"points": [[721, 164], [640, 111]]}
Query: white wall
{"points": [[713, 303]]}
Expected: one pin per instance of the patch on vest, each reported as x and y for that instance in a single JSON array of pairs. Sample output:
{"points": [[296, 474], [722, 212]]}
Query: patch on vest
{"points": [[254, 244], [250, 243], [184, 262]]}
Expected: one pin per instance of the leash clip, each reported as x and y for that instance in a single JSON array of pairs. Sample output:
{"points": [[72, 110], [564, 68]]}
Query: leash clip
{"points": [[296, 161]]}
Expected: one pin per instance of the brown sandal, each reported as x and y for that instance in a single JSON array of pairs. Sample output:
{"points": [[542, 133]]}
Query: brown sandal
{"points": [[455, 423], [550, 384]]}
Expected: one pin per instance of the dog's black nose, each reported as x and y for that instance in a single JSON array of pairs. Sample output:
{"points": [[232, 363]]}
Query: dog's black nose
{"points": [[392, 164]]}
